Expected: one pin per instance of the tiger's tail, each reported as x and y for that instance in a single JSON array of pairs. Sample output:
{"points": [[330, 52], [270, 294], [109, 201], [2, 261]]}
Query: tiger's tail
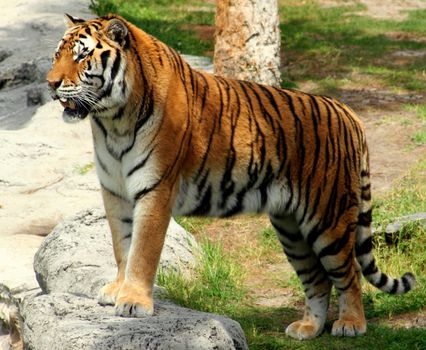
{"points": [[364, 244]]}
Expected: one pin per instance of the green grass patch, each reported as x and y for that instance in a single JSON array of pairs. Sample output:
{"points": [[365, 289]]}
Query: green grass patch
{"points": [[168, 20], [195, 225], [419, 137], [215, 286], [407, 196]]}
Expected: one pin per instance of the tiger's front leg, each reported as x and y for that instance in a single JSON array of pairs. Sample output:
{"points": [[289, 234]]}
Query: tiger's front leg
{"points": [[151, 218], [119, 213]]}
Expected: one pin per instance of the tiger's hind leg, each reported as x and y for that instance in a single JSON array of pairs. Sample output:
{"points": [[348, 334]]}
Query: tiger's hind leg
{"points": [[335, 249], [316, 284], [120, 216]]}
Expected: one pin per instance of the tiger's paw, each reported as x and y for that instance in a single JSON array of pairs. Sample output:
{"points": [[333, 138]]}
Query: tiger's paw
{"points": [[348, 328], [133, 301], [108, 293], [303, 330]]}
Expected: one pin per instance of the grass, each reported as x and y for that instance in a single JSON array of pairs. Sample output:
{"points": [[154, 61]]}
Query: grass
{"points": [[335, 49], [168, 20], [215, 286], [337, 39], [84, 169], [419, 137]]}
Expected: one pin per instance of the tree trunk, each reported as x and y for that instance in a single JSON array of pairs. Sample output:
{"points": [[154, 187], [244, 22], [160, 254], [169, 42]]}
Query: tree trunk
{"points": [[248, 40]]}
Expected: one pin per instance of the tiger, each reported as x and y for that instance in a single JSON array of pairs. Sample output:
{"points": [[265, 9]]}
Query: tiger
{"points": [[172, 140]]}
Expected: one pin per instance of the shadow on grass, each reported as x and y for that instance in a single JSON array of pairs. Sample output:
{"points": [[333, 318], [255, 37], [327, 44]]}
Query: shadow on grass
{"points": [[265, 329], [332, 42]]}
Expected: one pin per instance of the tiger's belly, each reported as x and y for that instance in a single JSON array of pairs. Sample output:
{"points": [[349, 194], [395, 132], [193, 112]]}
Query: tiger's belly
{"points": [[215, 200]]}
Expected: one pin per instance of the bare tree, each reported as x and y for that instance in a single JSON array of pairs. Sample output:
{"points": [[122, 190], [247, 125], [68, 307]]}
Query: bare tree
{"points": [[248, 40]]}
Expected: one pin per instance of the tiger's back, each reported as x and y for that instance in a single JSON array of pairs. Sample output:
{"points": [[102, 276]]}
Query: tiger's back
{"points": [[170, 139]]}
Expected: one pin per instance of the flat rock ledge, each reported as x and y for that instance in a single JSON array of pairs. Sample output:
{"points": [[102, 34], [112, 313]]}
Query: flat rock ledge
{"points": [[64, 321]]}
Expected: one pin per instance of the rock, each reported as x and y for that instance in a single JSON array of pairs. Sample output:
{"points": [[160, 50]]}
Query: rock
{"points": [[10, 321], [35, 96], [4, 54], [396, 226], [77, 257], [68, 322]]}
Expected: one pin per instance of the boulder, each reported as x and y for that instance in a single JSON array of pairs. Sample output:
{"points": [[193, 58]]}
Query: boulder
{"points": [[61, 321], [74, 261], [77, 256]]}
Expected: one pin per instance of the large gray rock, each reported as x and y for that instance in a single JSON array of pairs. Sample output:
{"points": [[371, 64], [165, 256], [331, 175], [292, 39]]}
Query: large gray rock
{"points": [[60, 321], [77, 256], [71, 265]]}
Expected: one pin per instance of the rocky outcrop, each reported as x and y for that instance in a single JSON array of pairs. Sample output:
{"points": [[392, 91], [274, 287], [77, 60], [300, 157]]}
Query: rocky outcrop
{"points": [[77, 257], [74, 261], [61, 321]]}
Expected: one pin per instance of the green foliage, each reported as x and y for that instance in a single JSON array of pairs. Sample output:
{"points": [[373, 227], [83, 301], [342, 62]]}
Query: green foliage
{"points": [[168, 20], [195, 225], [215, 286], [321, 42]]}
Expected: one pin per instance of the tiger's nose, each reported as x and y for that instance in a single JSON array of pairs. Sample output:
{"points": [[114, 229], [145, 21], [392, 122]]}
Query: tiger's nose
{"points": [[54, 83]]}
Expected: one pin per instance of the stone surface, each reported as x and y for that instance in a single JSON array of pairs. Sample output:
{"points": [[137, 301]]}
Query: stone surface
{"points": [[396, 226], [61, 321], [29, 32], [77, 257]]}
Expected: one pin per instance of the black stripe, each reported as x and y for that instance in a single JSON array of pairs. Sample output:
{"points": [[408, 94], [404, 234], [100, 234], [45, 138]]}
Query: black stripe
{"points": [[370, 269], [140, 164], [104, 58], [204, 204], [364, 219], [114, 193], [383, 280], [127, 220], [365, 247], [394, 287], [101, 164], [145, 191], [297, 257], [306, 271], [348, 285], [406, 283], [335, 247], [294, 237], [115, 66], [129, 235]]}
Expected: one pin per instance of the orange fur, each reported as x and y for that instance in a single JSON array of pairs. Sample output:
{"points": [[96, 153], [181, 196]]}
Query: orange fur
{"points": [[171, 139]]}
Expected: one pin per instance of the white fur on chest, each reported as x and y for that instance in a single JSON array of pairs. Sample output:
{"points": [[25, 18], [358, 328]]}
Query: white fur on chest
{"points": [[125, 164]]}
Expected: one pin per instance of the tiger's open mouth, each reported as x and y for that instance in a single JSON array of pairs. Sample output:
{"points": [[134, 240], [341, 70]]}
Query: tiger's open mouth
{"points": [[73, 111]]}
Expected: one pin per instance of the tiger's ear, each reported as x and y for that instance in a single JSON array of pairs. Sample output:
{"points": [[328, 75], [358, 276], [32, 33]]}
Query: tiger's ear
{"points": [[73, 21], [117, 31]]}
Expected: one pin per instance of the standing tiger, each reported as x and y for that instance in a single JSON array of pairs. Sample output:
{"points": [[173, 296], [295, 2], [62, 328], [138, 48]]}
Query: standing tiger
{"points": [[171, 140]]}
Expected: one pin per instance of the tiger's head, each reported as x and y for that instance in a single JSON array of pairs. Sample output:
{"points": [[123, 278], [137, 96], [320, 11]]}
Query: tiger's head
{"points": [[89, 65]]}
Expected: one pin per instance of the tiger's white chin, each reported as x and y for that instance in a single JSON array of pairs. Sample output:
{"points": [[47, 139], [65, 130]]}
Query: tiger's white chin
{"points": [[74, 115]]}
